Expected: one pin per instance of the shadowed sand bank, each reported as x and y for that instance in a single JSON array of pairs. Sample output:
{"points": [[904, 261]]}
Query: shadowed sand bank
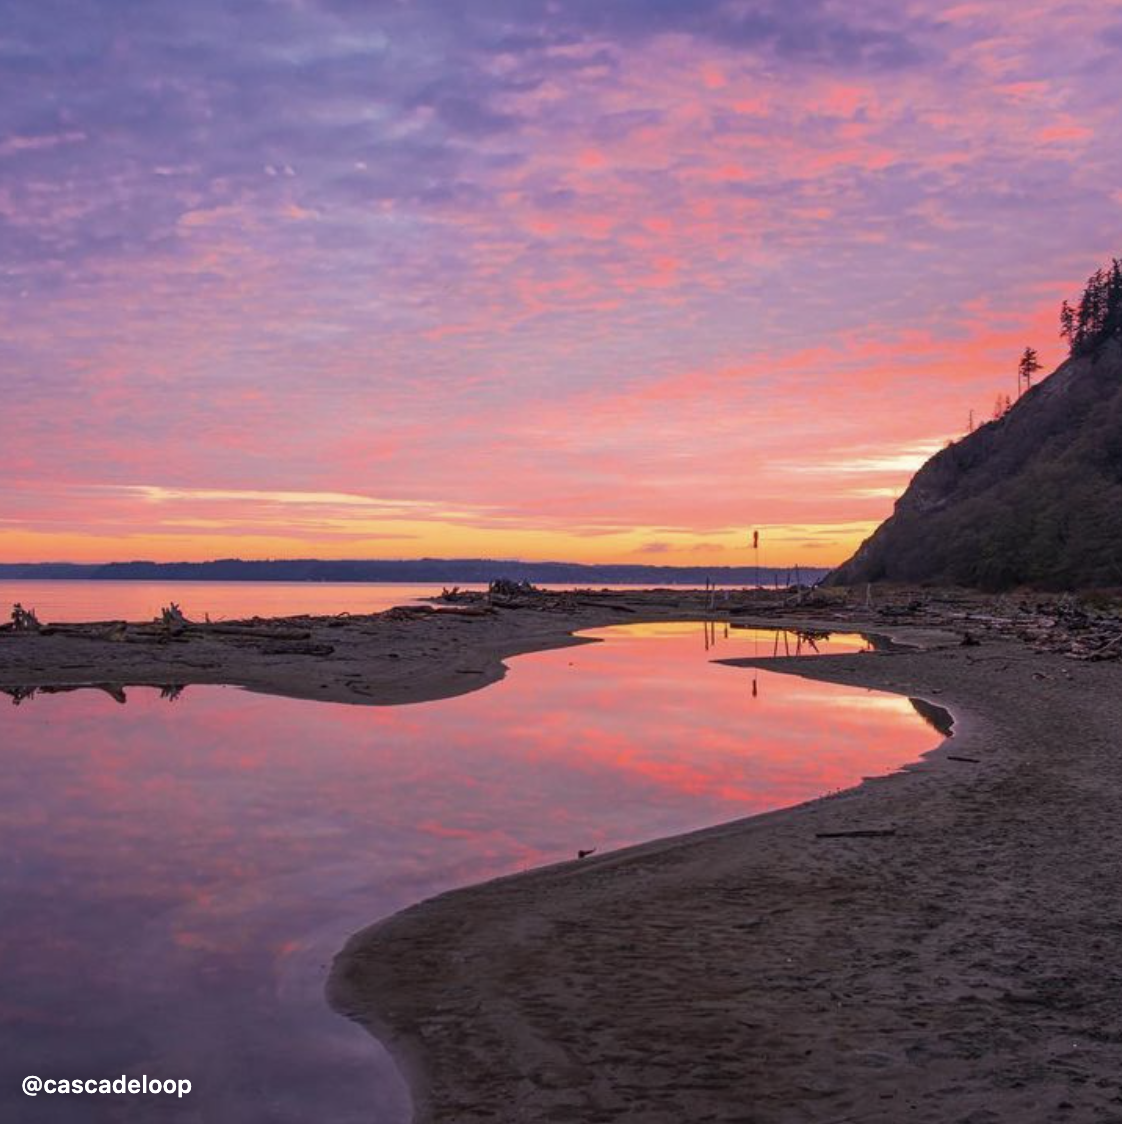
{"points": [[404, 655], [960, 968]]}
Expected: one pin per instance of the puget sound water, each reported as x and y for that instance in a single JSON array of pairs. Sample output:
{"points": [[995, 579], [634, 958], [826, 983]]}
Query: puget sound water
{"points": [[177, 872]]}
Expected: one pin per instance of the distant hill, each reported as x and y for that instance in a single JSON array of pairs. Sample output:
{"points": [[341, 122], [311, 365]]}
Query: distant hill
{"points": [[1034, 498], [428, 570]]}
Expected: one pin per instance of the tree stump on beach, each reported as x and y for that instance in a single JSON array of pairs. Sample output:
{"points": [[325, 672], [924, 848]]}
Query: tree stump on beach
{"points": [[24, 620], [173, 619]]}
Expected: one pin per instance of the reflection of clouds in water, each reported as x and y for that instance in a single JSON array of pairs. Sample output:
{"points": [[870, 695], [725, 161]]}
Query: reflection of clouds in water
{"points": [[186, 872], [865, 703], [764, 641]]}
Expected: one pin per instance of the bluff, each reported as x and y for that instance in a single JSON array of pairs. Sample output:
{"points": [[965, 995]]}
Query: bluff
{"points": [[1033, 498]]}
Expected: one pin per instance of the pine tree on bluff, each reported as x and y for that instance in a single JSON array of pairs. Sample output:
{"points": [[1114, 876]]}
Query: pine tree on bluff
{"points": [[1067, 322], [1097, 317], [1028, 366]]}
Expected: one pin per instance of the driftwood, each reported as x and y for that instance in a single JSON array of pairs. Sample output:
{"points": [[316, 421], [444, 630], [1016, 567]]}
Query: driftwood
{"points": [[1109, 649], [607, 605], [864, 833], [250, 631], [296, 649], [757, 610], [24, 620], [504, 587], [406, 612], [172, 618], [458, 594], [101, 630]]}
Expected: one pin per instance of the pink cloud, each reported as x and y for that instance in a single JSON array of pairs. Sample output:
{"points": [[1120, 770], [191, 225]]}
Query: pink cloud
{"points": [[618, 300]]}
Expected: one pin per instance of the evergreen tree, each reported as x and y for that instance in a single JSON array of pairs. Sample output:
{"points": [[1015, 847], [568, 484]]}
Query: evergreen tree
{"points": [[1067, 323], [1098, 315], [1028, 366]]}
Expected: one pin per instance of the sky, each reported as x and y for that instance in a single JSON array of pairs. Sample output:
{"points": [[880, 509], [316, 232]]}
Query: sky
{"points": [[595, 280]]}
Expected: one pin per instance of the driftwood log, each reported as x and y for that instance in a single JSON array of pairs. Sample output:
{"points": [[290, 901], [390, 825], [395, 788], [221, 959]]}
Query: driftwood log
{"points": [[24, 620], [172, 618]]}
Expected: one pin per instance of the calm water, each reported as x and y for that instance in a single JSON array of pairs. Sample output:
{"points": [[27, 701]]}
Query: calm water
{"points": [[58, 601], [140, 601], [176, 875]]}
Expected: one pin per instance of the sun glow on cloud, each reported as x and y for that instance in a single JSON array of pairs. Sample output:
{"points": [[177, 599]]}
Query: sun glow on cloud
{"points": [[601, 282]]}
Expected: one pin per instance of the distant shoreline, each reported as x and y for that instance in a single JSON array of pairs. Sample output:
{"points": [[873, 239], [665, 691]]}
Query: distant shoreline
{"points": [[682, 584], [445, 571]]}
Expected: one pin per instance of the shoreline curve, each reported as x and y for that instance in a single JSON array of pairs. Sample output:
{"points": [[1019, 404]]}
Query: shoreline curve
{"points": [[755, 971]]}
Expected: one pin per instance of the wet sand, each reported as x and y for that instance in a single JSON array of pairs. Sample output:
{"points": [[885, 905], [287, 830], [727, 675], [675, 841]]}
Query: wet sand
{"points": [[403, 655], [960, 967], [399, 656], [956, 962]]}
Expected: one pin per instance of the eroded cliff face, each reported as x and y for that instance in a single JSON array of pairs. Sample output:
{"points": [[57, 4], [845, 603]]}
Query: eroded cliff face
{"points": [[1032, 499]]}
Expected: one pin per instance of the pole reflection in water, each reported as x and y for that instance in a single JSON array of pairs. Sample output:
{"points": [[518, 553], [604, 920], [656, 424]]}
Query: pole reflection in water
{"points": [[178, 871]]}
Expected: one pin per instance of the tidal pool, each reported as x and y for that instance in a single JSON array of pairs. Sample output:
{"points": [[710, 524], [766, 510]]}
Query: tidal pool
{"points": [[177, 872]]}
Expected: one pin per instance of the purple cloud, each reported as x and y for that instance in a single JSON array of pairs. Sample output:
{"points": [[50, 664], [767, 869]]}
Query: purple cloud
{"points": [[533, 256]]}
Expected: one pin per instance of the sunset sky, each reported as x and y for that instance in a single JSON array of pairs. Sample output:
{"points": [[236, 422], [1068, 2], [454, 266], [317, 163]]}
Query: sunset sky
{"points": [[596, 280]]}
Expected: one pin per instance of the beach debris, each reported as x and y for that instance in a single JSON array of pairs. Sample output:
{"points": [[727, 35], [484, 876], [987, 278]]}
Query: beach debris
{"points": [[585, 854], [504, 587], [805, 597], [605, 605], [296, 649], [253, 632], [88, 630], [510, 594], [896, 611], [505, 594], [406, 612], [172, 618], [971, 760], [858, 833], [24, 620]]}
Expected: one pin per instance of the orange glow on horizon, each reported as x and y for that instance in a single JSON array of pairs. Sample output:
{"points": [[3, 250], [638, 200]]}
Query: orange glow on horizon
{"points": [[780, 546], [686, 281]]}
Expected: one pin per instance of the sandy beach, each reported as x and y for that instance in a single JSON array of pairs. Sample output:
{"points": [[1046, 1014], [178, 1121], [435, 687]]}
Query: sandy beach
{"points": [[404, 655], [936, 945], [958, 967]]}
